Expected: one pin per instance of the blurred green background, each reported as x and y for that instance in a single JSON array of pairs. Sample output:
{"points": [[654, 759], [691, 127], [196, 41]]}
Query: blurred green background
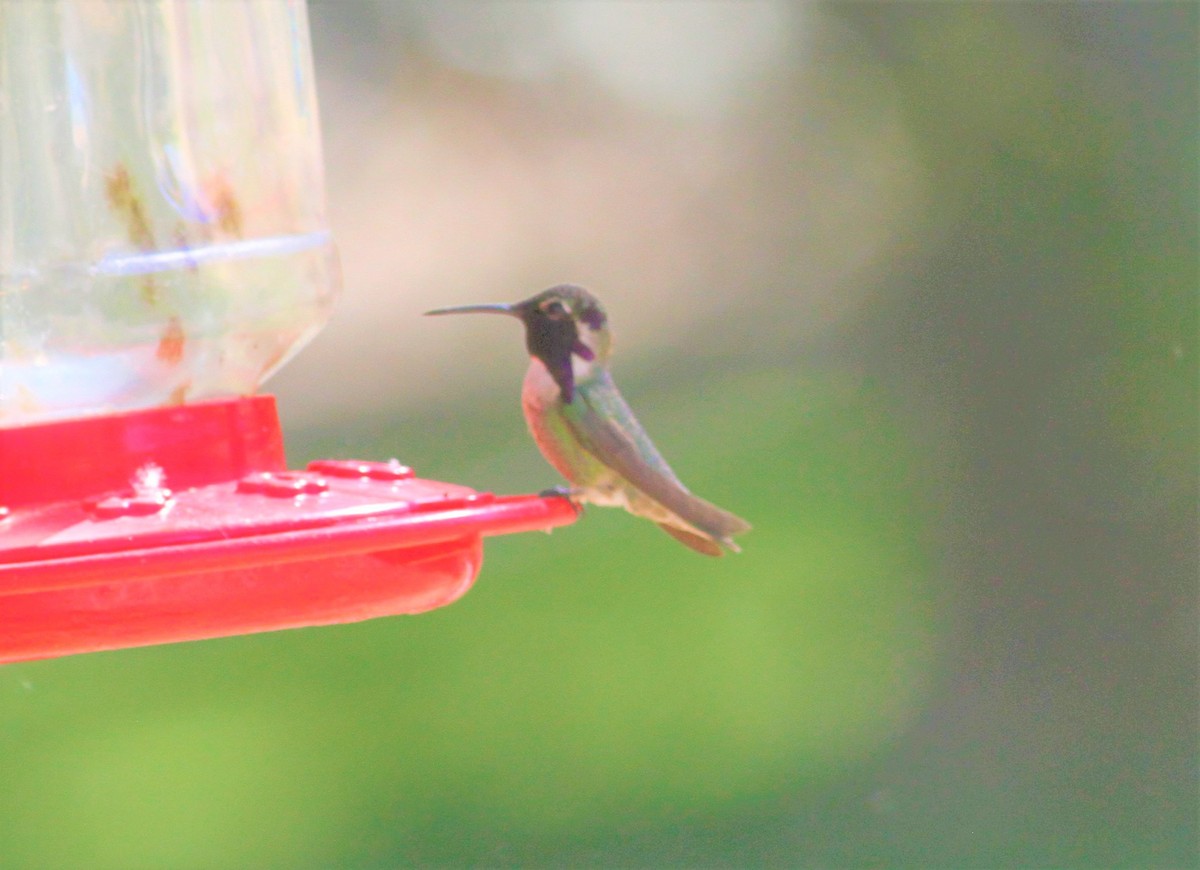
{"points": [[912, 287]]}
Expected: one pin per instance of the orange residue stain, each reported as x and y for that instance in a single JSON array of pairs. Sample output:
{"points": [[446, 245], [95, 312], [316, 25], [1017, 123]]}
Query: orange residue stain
{"points": [[123, 198], [179, 394], [125, 202], [170, 344], [225, 205], [149, 289]]}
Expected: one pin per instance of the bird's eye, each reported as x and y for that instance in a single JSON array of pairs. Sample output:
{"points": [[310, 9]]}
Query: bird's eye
{"points": [[553, 309]]}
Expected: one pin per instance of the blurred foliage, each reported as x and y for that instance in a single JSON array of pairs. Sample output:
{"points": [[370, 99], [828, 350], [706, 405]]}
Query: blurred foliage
{"points": [[963, 630], [536, 706]]}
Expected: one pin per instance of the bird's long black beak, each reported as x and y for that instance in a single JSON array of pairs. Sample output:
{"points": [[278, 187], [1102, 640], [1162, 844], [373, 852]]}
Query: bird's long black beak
{"points": [[497, 308]]}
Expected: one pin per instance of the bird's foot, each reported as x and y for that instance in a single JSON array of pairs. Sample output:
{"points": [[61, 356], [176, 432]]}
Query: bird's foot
{"points": [[575, 496]]}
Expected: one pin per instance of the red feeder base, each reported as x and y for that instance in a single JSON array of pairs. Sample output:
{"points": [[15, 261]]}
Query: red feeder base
{"points": [[183, 523]]}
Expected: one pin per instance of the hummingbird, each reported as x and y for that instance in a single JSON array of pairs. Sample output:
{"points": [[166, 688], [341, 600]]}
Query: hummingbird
{"points": [[585, 429]]}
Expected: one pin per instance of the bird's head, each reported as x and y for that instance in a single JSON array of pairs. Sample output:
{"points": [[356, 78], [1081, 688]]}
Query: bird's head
{"points": [[565, 327]]}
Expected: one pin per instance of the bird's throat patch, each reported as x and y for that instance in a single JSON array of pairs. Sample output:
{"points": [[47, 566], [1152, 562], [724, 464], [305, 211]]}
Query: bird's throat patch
{"points": [[554, 342]]}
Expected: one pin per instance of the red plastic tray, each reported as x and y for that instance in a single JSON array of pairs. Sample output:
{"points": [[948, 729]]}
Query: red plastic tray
{"points": [[184, 523]]}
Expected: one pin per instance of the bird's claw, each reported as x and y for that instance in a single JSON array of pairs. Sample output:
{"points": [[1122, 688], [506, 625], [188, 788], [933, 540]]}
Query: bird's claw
{"points": [[571, 495]]}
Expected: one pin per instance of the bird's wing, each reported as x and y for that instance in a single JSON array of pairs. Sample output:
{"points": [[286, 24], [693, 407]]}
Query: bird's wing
{"points": [[601, 420]]}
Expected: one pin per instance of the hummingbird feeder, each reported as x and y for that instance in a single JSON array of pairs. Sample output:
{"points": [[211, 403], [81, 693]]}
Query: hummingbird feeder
{"points": [[163, 250]]}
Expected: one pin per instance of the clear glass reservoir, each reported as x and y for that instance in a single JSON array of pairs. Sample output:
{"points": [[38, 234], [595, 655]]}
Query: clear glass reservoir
{"points": [[163, 235]]}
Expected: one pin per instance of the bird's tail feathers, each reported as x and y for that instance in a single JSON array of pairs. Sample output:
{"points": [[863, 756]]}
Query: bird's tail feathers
{"points": [[699, 543], [715, 523]]}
